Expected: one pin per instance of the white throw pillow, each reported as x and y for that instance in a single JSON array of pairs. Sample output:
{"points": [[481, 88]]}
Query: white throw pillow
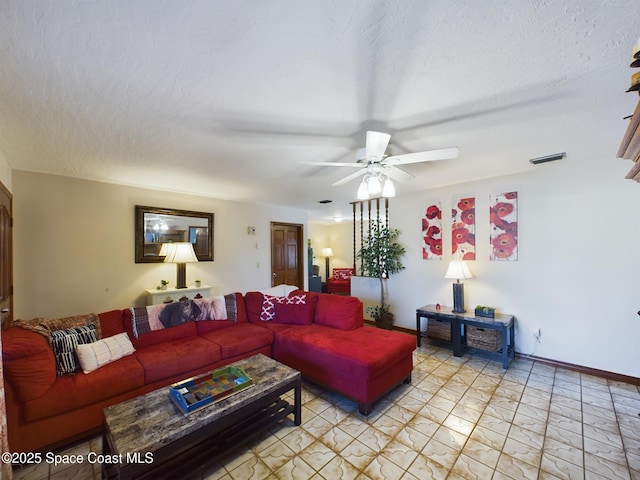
{"points": [[94, 355], [281, 290]]}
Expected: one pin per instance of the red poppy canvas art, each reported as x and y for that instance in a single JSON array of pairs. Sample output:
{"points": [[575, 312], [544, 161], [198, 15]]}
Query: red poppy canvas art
{"points": [[463, 229], [432, 233], [503, 217]]}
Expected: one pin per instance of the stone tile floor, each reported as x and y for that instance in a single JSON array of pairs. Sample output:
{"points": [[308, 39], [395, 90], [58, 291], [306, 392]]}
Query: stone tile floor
{"points": [[459, 418]]}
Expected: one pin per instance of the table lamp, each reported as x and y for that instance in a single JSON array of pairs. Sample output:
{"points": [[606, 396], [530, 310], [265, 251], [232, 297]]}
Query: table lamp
{"points": [[327, 252], [459, 271], [180, 253]]}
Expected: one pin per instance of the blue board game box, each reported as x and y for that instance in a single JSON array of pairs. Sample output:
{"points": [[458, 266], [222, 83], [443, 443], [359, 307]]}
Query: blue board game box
{"points": [[197, 392]]}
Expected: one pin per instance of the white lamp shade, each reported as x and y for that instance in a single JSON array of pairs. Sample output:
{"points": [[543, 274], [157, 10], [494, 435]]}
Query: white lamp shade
{"points": [[182, 252], [389, 189], [458, 270], [327, 252], [166, 248], [363, 191], [374, 185]]}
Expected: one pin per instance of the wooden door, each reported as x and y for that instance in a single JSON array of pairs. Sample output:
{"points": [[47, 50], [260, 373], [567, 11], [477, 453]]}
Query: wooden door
{"points": [[6, 257], [286, 254]]}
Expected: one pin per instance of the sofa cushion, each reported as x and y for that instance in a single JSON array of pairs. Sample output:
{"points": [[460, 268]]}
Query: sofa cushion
{"points": [[28, 362], [363, 353], [64, 343], [19, 343], [159, 336], [170, 358], [336, 311], [253, 305], [204, 327], [240, 339], [94, 355], [44, 326], [111, 323], [72, 392], [296, 313]]}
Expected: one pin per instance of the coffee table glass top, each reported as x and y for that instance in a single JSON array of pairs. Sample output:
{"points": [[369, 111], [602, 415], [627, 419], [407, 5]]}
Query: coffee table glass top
{"points": [[148, 422]]}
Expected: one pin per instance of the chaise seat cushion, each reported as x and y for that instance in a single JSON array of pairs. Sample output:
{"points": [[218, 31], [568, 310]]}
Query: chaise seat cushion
{"points": [[181, 356], [239, 339], [71, 392], [363, 353]]}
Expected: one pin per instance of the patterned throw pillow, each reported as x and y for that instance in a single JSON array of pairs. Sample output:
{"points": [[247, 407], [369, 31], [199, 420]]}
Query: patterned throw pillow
{"points": [[342, 274], [268, 311], [64, 343]]}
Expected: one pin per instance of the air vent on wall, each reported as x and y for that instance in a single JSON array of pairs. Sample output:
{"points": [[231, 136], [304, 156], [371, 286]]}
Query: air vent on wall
{"points": [[548, 158]]}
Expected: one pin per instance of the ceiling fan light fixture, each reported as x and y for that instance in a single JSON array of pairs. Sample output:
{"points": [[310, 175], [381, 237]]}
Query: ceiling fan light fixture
{"points": [[374, 185], [363, 191], [389, 189]]}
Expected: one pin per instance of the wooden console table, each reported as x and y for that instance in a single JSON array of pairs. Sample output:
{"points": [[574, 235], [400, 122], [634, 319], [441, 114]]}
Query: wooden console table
{"points": [[460, 321]]}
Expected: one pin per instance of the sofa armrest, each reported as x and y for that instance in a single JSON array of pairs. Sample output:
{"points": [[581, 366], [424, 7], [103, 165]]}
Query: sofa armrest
{"points": [[28, 362]]}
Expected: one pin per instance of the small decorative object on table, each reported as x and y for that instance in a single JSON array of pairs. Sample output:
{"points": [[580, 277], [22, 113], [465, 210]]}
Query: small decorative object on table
{"points": [[198, 283], [163, 284], [482, 311]]}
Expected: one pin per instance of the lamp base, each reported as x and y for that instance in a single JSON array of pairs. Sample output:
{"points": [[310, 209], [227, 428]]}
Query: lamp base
{"points": [[181, 281], [458, 298]]}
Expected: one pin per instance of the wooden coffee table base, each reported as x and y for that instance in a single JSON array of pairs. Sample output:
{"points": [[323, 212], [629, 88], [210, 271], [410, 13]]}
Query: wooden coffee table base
{"points": [[253, 411]]}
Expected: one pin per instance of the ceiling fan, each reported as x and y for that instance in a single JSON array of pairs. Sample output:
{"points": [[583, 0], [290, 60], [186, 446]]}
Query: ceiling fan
{"points": [[380, 168]]}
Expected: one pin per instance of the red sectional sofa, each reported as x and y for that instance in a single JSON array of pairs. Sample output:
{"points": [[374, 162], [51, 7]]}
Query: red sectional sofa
{"points": [[324, 338]]}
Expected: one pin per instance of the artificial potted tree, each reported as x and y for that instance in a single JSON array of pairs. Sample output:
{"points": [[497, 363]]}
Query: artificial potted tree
{"points": [[380, 255]]}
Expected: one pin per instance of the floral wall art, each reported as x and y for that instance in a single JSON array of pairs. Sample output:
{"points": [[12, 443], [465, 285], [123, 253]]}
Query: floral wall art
{"points": [[432, 233], [463, 229], [503, 217]]}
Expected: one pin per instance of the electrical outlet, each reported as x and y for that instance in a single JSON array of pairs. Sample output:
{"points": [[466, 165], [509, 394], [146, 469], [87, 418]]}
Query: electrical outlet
{"points": [[536, 333]]}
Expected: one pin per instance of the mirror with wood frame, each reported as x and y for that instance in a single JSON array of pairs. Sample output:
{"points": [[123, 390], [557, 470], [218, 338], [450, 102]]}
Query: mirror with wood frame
{"points": [[155, 226]]}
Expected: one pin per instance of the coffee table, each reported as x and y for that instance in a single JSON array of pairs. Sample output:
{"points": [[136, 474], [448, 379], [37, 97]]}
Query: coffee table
{"points": [[150, 437]]}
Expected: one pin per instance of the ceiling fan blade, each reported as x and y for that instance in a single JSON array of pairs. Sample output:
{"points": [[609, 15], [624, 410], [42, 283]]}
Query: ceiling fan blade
{"points": [[376, 144], [336, 164], [397, 173], [428, 156], [348, 178]]}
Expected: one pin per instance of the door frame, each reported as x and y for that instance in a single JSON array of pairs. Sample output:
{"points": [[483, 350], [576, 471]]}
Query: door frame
{"points": [[6, 257]]}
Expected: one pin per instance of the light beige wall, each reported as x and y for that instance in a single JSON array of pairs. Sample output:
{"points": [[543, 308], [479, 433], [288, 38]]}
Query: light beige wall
{"points": [[74, 245], [576, 277]]}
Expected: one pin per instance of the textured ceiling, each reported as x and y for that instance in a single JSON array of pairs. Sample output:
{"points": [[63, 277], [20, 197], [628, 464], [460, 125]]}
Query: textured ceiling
{"points": [[229, 98]]}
